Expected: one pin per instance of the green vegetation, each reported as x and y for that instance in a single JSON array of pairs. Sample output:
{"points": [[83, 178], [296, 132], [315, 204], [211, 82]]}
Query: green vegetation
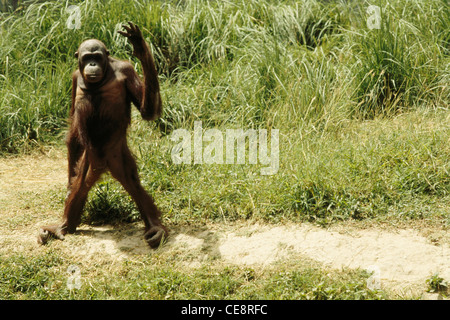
{"points": [[363, 116], [46, 277], [437, 284]]}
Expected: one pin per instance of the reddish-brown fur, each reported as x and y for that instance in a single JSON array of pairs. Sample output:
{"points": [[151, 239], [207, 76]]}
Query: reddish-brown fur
{"points": [[102, 92]]}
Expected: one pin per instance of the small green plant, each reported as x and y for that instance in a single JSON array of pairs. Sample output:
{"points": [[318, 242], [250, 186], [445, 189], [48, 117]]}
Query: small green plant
{"points": [[437, 284], [108, 204]]}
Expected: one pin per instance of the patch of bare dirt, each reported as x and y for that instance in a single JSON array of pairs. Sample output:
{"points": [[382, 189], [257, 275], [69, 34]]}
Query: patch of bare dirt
{"points": [[31, 173], [405, 259]]}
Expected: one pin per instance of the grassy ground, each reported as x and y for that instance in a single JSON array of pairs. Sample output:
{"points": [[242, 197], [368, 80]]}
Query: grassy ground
{"points": [[362, 115], [41, 278]]}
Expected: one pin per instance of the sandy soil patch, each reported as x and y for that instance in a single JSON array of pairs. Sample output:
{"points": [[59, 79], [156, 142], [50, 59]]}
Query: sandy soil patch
{"points": [[404, 258]]}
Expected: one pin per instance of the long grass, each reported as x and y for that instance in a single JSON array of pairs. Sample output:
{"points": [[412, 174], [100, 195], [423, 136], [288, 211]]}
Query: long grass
{"points": [[398, 67]]}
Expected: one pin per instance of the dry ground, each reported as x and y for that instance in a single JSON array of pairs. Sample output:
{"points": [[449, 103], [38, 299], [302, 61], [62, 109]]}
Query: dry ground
{"points": [[404, 255]]}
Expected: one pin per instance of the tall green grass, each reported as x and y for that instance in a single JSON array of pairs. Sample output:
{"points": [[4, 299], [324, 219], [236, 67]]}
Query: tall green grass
{"points": [[37, 51], [398, 66], [249, 55]]}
